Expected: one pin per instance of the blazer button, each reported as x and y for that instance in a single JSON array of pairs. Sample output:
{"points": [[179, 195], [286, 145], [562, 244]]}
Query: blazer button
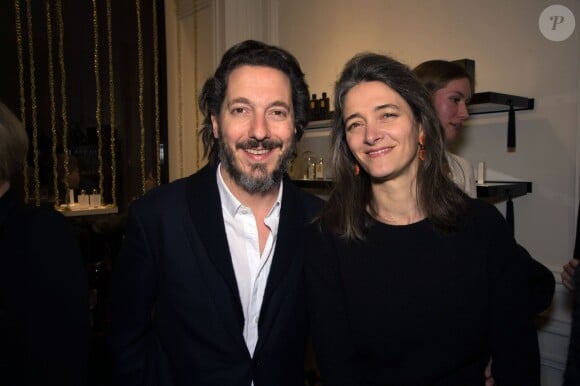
{"points": [[258, 364]]}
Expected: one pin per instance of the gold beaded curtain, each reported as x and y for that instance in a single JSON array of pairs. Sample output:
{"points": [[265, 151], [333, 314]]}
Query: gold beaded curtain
{"points": [[87, 80]]}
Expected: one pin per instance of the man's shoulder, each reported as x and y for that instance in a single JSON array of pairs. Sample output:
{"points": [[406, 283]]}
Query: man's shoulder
{"points": [[175, 193]]}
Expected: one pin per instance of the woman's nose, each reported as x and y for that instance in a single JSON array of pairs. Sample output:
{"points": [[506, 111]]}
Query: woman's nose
{"points": [[372, 134], [463, 111]]}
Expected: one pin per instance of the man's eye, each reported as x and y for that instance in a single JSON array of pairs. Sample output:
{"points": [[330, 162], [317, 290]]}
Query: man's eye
{"points": [[238, 110], [279, 114]]}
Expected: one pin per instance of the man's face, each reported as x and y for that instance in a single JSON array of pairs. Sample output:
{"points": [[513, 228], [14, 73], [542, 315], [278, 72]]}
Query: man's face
{"points": [[255, 130]]}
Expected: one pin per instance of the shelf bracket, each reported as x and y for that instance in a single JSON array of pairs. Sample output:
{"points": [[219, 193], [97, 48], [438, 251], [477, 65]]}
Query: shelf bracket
{"points": [[511, 129]]}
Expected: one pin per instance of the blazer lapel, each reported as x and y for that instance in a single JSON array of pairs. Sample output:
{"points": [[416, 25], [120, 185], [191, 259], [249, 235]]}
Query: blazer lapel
{"points": [[286, 260], [206, 214]]}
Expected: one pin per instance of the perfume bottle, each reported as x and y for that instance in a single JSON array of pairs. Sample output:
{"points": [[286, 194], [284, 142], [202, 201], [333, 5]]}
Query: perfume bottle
{"points": [[95, 199], [313, 108], [320, 169], [311, 174], [323, 107]]}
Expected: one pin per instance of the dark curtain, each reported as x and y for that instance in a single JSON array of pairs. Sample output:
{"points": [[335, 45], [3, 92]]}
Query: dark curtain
{"points": [[78, 23]]}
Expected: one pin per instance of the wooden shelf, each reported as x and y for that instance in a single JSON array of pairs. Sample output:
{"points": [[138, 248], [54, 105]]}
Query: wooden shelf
{"points": [[75, 211], [495, 102], [325, 123], [500, 189]]}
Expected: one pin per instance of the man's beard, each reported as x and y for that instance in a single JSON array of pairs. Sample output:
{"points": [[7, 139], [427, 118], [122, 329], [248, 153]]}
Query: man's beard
{"points": [[258, 180]]}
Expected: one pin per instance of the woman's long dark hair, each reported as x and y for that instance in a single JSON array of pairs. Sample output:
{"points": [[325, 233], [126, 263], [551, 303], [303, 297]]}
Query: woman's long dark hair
{"points": [[441, 200]]}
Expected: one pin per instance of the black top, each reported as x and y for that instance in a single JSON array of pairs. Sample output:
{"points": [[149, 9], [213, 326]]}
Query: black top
{"points": [[44, 311], [415, 306]]}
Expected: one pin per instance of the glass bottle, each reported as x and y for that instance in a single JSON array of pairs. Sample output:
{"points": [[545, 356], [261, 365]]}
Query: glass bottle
{"points": [[311, 175], [320, 169]]}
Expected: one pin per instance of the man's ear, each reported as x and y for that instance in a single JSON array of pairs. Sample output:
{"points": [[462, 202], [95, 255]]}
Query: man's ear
{"points": [[214, 123]]}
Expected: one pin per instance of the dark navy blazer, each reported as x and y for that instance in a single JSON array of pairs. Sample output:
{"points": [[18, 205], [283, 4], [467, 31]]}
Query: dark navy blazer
{"points": [[175, 309]]}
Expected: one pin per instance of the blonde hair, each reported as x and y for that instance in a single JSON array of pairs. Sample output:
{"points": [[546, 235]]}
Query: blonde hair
{"points": [[13, 144]]}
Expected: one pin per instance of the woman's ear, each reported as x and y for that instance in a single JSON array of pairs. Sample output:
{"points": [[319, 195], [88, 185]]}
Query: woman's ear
{"points": [[214, 123]]}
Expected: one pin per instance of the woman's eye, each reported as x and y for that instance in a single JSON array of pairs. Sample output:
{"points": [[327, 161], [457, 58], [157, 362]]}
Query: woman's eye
{"points": [[353, 125]]}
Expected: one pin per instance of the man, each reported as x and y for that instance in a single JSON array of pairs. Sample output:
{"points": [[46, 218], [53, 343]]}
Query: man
{"points": [[208, 287]]}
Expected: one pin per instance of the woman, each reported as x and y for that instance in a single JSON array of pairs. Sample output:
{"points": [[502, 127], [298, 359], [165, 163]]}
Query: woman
{"points": [[451, 89], [410, 281]]}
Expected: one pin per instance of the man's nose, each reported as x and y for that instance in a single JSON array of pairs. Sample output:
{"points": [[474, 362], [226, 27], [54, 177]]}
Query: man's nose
{"points": [[259, 129]]}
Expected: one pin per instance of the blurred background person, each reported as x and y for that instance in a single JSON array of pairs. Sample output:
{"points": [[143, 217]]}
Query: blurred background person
{"points": [[451, 88], [44, 312], [571, 279], [570, 267]]}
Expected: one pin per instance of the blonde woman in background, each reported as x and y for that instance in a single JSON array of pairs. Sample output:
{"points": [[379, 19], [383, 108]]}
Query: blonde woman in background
{"points": [[451, 88]]}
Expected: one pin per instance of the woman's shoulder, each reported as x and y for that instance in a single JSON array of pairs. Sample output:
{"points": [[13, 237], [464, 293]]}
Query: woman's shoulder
{"points": [[484, 213]]}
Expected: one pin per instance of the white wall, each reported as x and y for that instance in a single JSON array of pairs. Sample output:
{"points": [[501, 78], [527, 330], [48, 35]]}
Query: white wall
{"points": [[191, 34], [511, 56]]}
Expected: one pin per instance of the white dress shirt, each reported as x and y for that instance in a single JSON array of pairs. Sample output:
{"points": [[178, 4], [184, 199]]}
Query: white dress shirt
{"points": [[251, 268]]}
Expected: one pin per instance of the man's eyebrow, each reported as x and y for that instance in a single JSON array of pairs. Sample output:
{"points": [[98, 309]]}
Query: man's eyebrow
{"points": [[280, 104], [244, 100], [240, 100]]}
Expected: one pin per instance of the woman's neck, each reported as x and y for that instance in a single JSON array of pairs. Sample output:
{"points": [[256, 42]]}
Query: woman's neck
{"points": [[396, 204]]}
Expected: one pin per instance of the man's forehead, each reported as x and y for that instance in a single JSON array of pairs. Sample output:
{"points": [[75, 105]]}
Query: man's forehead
{"points": [[248, 84]]}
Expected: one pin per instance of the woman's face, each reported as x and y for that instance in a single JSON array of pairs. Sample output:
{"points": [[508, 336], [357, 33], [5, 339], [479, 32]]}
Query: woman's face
{"points": [[451, 105], [381, 131]]}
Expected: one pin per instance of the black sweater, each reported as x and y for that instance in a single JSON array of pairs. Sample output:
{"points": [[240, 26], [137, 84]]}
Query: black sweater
{"points": [[415, 306]]}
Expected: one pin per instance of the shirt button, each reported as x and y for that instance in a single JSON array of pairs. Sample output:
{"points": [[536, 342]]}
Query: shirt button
{"points": [[256, 320]]}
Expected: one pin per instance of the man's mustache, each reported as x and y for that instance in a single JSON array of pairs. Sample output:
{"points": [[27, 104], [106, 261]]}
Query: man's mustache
{"points": [[267, 144]]}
